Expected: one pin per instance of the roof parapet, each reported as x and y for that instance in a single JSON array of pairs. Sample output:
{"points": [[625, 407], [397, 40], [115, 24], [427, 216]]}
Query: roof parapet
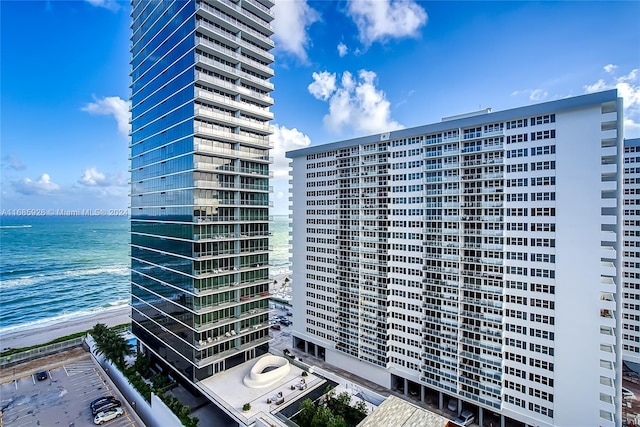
{"points": [[465, 115]]}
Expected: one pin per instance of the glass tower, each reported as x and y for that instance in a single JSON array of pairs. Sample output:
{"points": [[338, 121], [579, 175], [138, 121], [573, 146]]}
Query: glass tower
{"points": [[200, 189]]}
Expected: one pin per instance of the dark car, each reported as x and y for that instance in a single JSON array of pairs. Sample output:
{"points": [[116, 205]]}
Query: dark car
{"points": [[104, 403], [42, 375], [276, 327], [285, 322]]}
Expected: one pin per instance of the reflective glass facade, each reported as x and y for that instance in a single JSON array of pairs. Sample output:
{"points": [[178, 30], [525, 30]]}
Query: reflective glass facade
{"points": [[200, 174]]}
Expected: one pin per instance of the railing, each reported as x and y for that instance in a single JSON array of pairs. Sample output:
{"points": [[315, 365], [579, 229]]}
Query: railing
{"points": [[35, 353]]}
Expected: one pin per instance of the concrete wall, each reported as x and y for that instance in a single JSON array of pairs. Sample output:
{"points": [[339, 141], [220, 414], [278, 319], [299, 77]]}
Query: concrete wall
{"points": [[156, 414]]}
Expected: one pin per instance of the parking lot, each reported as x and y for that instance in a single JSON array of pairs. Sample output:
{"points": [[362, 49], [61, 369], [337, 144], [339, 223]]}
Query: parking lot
{"points": [[61, 399], [281, 337]]}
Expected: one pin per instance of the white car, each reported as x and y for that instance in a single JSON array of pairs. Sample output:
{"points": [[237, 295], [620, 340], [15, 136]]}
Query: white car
{"points": [[627, 394], [108, 415], [465, 418]]}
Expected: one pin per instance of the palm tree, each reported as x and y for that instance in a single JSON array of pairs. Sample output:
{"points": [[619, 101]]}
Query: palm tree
{"points": [[112, 346], [116, 350], [98, 331]]}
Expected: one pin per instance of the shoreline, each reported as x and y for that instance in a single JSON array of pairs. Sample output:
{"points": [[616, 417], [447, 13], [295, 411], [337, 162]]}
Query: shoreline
{"points": [[30, 335], [40, 333]]}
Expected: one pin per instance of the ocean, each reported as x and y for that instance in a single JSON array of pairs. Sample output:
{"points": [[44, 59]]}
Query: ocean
{"points": [[54, 268]]}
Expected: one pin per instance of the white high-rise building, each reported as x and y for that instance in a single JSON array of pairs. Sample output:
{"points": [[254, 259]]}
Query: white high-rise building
{"points": [[631, 267], [477, 258]]}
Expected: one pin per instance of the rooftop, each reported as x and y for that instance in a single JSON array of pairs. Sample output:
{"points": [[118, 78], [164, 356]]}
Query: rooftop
{"points": [[466, 120], [229, 391], [400, 413]]}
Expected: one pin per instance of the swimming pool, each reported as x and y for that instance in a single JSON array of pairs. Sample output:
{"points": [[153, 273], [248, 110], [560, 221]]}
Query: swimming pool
{"points": [[133, 343]]}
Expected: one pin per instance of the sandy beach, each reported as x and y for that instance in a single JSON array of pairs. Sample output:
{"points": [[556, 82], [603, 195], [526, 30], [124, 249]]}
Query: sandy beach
{"points": [[29, 336], [34, 335]]}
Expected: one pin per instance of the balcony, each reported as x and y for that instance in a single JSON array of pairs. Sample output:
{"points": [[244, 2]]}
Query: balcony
{"points": [[231, 103], [210, 113], [258, 8], [231, 169], [238, 349], [205, 9], [209, 147], [204, 77]]}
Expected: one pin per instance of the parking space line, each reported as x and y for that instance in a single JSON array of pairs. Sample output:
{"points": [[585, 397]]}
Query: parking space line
{"points": [[33, 378], [65, 370], [21, 425]]}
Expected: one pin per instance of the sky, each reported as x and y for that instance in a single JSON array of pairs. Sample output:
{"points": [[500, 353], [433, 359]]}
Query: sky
{"points": [[343, 69]]}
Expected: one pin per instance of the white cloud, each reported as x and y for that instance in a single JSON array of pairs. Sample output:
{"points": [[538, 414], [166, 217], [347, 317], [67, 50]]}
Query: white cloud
{"points": [[631, 77], [323, 86], [92, 177], [112, 5], [13, 162], [357, 103], [629, 90], [596, 87], [379, 20], [292, 18], [42, 186], [111, 106], [284, 140], [631, 127], [538, 95], [533, 94], [342, 49]]}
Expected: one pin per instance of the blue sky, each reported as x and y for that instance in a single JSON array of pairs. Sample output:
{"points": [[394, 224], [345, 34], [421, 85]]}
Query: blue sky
{"points": [[342, 69]]}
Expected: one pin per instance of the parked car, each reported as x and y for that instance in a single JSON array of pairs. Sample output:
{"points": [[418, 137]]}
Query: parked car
{"points": [[289, 313], [285, 322], [104, 416], [465, 418], [42, 375], [101, 399], [276, 327], [104, 404], [453, 405], [627, 394]]}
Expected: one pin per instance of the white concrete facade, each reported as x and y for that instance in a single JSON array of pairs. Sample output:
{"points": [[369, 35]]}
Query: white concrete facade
{"points": [[631, 281], [478, 257]]}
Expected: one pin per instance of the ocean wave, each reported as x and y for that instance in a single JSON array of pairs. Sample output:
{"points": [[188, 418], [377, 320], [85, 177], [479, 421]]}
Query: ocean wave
{"points": [[15, 226], [72, 271], [37, 279], [115, 269]]}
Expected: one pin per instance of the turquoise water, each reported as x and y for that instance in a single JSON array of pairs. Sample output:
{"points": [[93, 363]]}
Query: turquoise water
{"points": [[55, 268]]}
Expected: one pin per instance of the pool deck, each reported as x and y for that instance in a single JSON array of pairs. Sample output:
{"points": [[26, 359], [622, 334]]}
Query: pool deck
{"points": [[228, 390]]}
